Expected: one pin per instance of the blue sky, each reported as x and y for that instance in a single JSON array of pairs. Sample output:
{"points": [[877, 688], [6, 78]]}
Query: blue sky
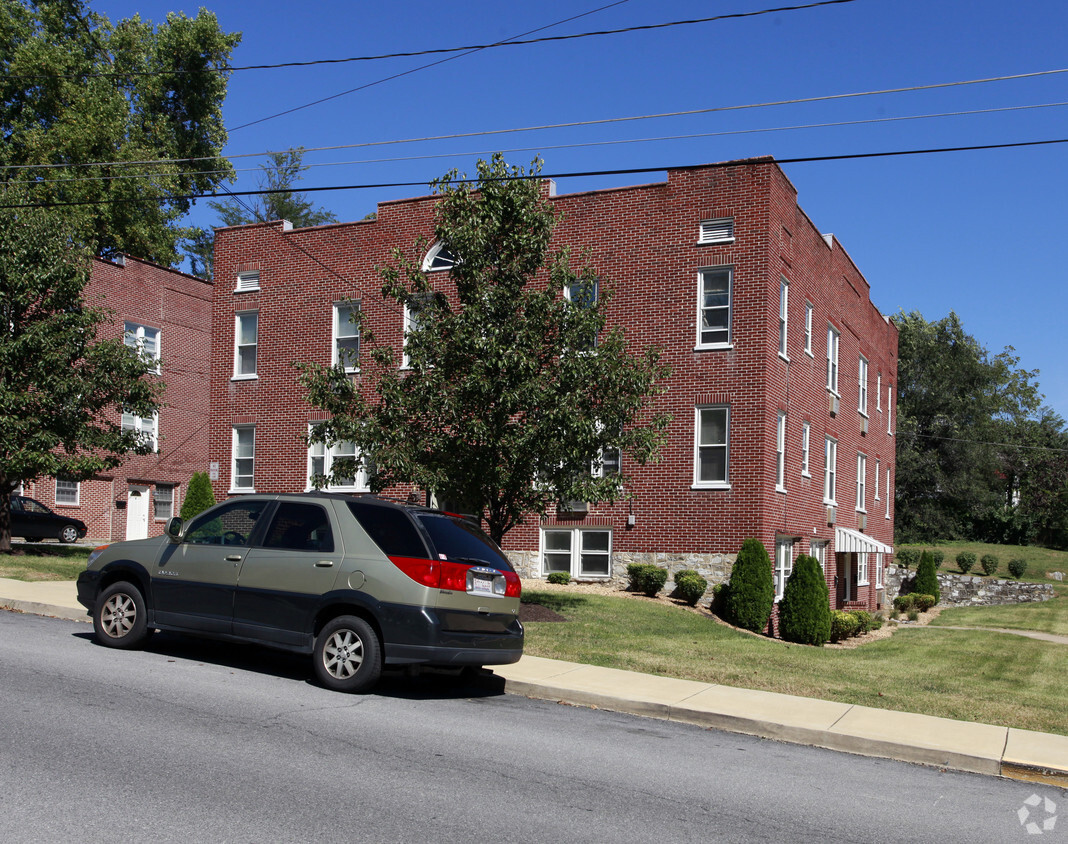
{"points": [[977, 232]]}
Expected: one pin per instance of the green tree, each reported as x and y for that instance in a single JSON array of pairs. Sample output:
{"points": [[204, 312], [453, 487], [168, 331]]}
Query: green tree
{"points": [[805, 608], [751, 591], [141, 102], [61, 389], [926, 582], [282, 203], [198, 497], [513, 386]]}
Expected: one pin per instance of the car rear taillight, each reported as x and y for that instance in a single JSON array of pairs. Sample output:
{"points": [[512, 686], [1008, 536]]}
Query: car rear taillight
{"points": [[445, 574], [513, 587]]}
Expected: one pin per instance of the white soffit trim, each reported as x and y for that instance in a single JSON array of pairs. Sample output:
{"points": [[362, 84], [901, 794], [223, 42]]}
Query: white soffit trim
{"points": [[848, 541]]}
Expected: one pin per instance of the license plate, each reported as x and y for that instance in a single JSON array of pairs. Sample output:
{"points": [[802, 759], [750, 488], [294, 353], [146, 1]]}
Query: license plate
{"points": [[482, 583]]}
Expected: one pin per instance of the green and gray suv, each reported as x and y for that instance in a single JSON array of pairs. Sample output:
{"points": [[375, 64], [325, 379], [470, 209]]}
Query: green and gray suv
{"points": [[358, 582]]}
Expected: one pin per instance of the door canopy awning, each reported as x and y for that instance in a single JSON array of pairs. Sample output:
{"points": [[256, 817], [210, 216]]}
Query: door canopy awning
{"points": [[848, 541]]}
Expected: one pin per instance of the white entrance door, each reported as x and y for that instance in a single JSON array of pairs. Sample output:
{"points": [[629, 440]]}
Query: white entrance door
{"points": [[137, 512]]}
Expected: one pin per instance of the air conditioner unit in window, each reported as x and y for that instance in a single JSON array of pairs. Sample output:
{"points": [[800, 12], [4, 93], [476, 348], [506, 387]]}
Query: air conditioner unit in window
{"points": [[862, 521], [863, 426], [832, 514], [832, 402], [573, 507]]}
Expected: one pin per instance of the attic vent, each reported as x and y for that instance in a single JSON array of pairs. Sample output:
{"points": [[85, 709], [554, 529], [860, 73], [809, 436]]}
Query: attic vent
{"points": [[717, 231], [248, 281]]}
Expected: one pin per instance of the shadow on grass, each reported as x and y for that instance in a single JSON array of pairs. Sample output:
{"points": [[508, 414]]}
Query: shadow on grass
{"points": [[555, 600], [40, 549]]}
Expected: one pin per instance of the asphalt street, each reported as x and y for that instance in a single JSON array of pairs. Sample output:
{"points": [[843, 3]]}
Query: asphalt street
{"points": [[191, 740]]}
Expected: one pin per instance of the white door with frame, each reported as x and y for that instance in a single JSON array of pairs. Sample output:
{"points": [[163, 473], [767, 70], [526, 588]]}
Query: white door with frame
{"points": [[137, 505]]}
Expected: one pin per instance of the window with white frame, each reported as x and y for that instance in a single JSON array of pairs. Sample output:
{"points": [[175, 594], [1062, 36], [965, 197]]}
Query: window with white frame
{"points": [[879, 571], [243, 459], [862, 475], [888, 495], [711, 441], [582, 293], [606, 464], [438, 258], [877, 472], [146, 427], [145, 341], [780, 453], [413, 315], [879, 392], [830, 470], [720, 230], [68, 493], [806, 437], [808, 328], [862, 386], [818, 549], [784, 310], [323, 460], [581, 552], [833, 338], [162, 503], [714, 307], [862, 568], [247, 281], [246, 335], [346, 348], [784, 564], [889, 409]]}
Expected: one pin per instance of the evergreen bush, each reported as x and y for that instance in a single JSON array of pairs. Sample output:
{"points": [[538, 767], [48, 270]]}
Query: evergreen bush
{"points": [[990, 563], [907, 557], [560, 578], [965, 561], [805, 609], [646, 578], [752, 590], [843, 625], [1017, 567], [199, 496], [690, 586], [926, 582]]}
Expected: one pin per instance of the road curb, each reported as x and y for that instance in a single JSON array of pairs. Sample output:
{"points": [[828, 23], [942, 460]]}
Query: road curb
{"points": [[50, 610]]}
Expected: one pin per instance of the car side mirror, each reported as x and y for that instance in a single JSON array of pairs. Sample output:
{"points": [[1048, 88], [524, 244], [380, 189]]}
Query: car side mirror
{"points": [[174, 529]]}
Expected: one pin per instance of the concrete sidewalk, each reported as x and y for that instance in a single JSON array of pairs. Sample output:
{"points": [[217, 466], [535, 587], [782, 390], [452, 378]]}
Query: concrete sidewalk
{"points": [[923, 739]]}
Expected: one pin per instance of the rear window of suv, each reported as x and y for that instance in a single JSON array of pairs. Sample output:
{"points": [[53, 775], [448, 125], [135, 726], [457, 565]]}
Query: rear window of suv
{"points": [[390, 528], [461, 540]]}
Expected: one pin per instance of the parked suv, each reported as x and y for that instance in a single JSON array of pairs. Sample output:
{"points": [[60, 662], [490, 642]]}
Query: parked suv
{"points": [[357, 582]]}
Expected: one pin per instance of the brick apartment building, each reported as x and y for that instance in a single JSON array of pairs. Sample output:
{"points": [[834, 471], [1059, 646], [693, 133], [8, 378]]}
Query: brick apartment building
{"points": [[166, 314], [781, 388]]}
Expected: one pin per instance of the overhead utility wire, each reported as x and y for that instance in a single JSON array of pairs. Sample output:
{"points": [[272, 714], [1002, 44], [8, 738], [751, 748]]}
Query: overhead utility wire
{"points": [[577, 145], [570, 175], [571, 125], [440, 50]]}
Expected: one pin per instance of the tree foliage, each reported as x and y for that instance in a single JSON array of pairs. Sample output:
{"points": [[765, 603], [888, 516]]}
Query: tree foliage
{"points": [[282, 203], [199, 496], [926, 582], [751, 593], [142, 101], [805, 608], [61, 389], [513, 386]]}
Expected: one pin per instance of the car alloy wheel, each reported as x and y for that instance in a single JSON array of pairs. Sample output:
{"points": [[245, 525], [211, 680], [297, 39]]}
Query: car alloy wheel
{"points": [[69, 534], [119, 617], [348, 656]]}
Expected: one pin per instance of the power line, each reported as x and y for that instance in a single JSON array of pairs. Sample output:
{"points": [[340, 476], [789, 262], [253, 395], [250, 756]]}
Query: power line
{"points": [[570, 175], [982, 442], [512, 42]]}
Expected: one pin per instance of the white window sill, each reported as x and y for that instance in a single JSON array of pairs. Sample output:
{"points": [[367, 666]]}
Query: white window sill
{"points": [[246, 290], [863, 413], [863, 583], [719, 242], [806, 474], [828, 502], [716, 486], [784, 357], [780, 489], [244, 377], [809, 353], [713, 347], [245, 490]]}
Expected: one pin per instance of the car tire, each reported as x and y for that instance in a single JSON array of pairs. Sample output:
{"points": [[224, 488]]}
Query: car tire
{"points": [[119, 616], [348, 655], [69, 534]]}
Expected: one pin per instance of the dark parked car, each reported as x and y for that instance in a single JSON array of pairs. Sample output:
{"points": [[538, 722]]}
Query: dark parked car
{"points": [[33, 521], [357, 582]]}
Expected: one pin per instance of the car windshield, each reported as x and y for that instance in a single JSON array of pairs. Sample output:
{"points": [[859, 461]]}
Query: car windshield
{"points": [[459, 539]]}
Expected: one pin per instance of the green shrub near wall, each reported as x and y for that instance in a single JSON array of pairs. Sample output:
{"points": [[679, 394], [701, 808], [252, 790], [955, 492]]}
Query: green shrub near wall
{"points": [[646, 578], [805, 610], [690, 586], [752, 588], [926, 582], [199, 496], [907, 557], [990, 563], [965, 561]]}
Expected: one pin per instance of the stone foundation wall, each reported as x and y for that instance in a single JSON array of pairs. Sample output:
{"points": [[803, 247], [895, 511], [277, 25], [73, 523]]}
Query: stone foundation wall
{"points": [[715, 568], [963, 590]]}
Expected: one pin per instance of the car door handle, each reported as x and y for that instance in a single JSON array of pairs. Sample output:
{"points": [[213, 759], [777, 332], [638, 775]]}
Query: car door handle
{"points": [[324, 564], [233, 558]]}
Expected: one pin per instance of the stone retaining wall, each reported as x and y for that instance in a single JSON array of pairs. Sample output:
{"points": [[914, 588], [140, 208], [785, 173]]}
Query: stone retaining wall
{"points": [[715, 568], [964, 590]]}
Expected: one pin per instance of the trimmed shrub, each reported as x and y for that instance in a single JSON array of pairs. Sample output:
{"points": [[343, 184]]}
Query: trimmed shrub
{"points": [[990, 563], [843, 625], [923, 602], [926, 582], [907, 557], [1017, 567], [939, 557], [199, 496], [865, 621], [690, 586], [752, 592], [965, 561], [647, 578], [560, 578], [805, 609], [904, 603]]}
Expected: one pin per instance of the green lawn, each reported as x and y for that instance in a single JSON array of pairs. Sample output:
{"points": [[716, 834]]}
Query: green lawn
{"points": [[44, 561]]}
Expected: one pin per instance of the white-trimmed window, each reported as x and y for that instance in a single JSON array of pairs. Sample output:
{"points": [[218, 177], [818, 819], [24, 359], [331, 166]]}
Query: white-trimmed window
{"points": [[68, 493], [833, 338], [830, 470], [862, 568], [581, 552], [246, 338], [346, 345], [879, 571], [606, 464], [784, 310], [808, 328], [321, 460], [862, 480], [162, 503], [889, 409], [806, 438], [438, 258], [711, 446], [714, 307], [146, 426], [720, 230], [413, 313], [784, 564], [888, 495], [145, 341], [243, 459], [862, 386], [247, 281], [878, 470], [780, 453], [879, 392], [583, 293], [818, 549]]}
